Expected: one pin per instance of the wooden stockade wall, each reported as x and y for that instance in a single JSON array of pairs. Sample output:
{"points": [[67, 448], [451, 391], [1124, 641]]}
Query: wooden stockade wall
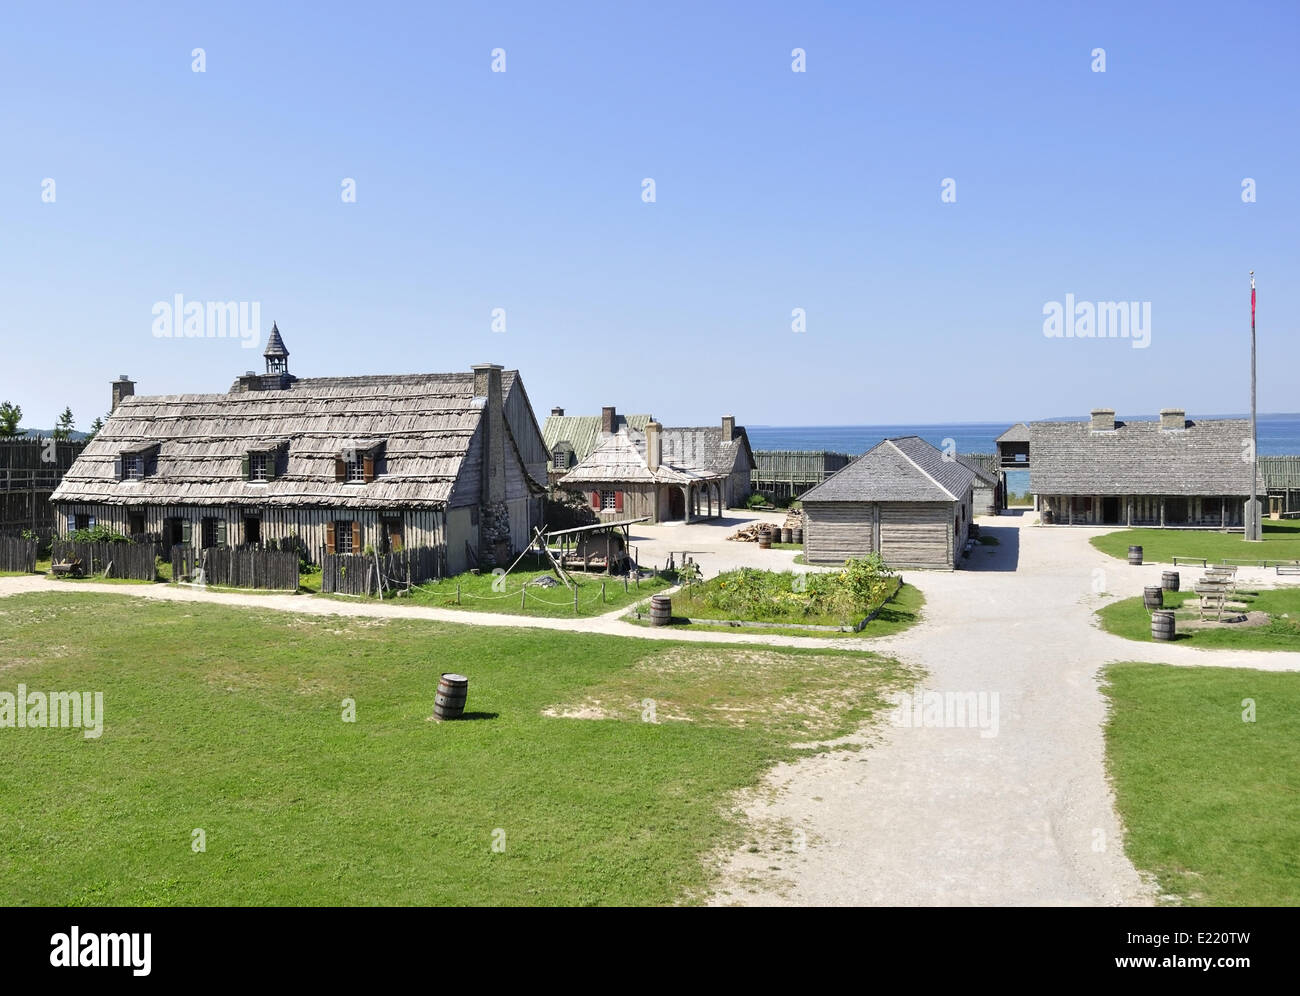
{"points": [[249, 567], [789, 473], [113, 560], [17, 554], [362, 574], [27, 481], [985, 461]]}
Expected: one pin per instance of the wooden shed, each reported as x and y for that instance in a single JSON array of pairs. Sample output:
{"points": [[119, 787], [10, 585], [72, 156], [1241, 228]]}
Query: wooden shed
{"points": [[902, 499]]}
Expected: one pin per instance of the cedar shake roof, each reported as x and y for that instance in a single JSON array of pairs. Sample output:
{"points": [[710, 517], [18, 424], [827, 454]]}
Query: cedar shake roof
{"points": [[687, 454], [1018, 433], [425, 423], [903, 469], [274, 344], [583, 432], [987, 476], [1140, 458]]}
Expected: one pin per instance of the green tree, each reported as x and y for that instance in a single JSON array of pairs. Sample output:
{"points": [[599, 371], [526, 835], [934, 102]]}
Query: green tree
{"points": [[95, 426], [63, 430], [10, 416]]}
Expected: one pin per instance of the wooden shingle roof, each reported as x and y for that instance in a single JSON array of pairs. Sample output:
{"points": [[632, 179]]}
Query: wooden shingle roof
{"points": [[1018, 433], [687, 453], [583, 432], [903, 469], [424, 421], [1140, 458]]}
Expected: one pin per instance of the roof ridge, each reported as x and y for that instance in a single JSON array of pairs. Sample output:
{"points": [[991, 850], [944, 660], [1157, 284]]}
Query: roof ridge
{"points": [[929, 477]]}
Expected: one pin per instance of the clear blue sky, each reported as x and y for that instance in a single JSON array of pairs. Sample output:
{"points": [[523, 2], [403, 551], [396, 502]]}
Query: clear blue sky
{"points": [[775, 190]]}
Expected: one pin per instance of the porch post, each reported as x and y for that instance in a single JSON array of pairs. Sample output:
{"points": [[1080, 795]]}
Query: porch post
{"points": [[1162, 511]]}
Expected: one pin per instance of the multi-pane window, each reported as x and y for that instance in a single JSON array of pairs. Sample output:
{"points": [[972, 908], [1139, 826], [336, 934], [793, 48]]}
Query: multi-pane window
{"points": [[133, 467], [257, 463], [343, 537], [609, 501], [356, 471]]}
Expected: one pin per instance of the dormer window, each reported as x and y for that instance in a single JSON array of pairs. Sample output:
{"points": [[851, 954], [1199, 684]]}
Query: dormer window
{"points": [[136, 464], [259, 465], [356, 462]]}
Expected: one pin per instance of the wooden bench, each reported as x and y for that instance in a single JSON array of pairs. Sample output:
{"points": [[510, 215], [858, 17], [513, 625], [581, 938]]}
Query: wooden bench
{"points": [[1288, 568], [1190, 560], [1226, 575], [1213, 596]]}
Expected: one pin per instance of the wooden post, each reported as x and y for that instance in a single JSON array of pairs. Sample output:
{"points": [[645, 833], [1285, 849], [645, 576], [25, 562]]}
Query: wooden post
{"points": [[457, 592], [575, 599], [602, 593], [522, 589], [1162, 511]]}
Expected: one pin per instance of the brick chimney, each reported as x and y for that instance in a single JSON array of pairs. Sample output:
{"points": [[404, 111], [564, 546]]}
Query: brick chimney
{"points": [[557, 410], [654, 445], [1103, 419], [1173, 418], [123, 387], [608, 419], [494, 514], [728, 428]]}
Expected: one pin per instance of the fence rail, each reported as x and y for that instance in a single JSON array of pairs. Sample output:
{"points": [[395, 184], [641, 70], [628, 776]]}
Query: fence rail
{"points": [[362, 574], [18, 554], [113, 560]]}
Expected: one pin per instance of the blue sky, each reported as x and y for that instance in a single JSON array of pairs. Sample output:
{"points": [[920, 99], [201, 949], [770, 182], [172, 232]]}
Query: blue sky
{"points": [[775, 190]]}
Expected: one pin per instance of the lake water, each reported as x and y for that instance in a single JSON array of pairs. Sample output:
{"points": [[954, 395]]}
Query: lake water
{"points": [[1278, 434]]}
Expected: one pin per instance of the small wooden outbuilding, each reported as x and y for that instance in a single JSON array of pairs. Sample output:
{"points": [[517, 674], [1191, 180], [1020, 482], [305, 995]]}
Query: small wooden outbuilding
{"points": [[903, 499]]}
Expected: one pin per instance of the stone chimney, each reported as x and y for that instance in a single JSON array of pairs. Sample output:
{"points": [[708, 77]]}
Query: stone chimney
{"points": [[123, 387], [1103, 419], [608, 419], [654, 445], [1173, 418], [494, 514], [728, 428], [557, 410]]}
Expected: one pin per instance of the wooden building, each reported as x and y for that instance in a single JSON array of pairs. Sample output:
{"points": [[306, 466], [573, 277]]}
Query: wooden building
{"points": [[1172, 473], [789, 473], [452, 461], [571, 438], [30, 469], [902, 499], [990, 484], [664, 473]]}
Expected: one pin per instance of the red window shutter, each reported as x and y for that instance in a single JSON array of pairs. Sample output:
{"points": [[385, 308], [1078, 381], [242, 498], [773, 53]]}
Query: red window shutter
{"points": [[369, 468], [329, 537], [340, 470], [356, 536], [618, 501], [595, 500]]}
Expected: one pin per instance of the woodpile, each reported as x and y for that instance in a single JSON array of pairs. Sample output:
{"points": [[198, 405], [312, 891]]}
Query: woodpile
{"points": [[749, 534]]}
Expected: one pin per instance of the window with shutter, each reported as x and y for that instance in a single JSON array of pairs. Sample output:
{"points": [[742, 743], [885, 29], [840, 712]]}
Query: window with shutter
{"points": [[618, 501], [595, 499], [608, 501], [356, 537], [368, 468], [187, 532], [340, 470], [329, 538], [117, 468], [221, 532]]}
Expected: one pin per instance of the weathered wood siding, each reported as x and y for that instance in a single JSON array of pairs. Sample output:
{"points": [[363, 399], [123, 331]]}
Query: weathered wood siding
{"points": [[835, 531], [420, 527], [917, 534], [906, 534], [524, 428]]}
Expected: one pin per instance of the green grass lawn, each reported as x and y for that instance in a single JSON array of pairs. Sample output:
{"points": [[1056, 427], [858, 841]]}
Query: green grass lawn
{"points": [[1159, 546], [478, 594], [1210, 803], [229, 720], [1130, 619]]}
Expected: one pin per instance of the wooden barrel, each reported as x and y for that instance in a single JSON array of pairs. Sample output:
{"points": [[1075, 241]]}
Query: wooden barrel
{"points": [[1135, 556], [449, 703], [765, 539], [1169, 580], [796, 534], [1153, 597], [661, 610], [1162, 624], [1048, 517], [787, 535]]}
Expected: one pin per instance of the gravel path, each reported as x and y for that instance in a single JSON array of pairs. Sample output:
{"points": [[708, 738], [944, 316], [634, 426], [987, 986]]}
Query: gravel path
{"points": [[926, 815]]}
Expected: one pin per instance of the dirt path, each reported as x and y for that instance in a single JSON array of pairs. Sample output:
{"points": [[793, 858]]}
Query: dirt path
{"points": [[927, 815]]}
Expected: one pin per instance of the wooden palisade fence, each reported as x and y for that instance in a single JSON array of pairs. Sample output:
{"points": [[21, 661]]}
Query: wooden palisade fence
{"points": [[114, 560], [371, 574], [18, 554], [237, 567]]}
